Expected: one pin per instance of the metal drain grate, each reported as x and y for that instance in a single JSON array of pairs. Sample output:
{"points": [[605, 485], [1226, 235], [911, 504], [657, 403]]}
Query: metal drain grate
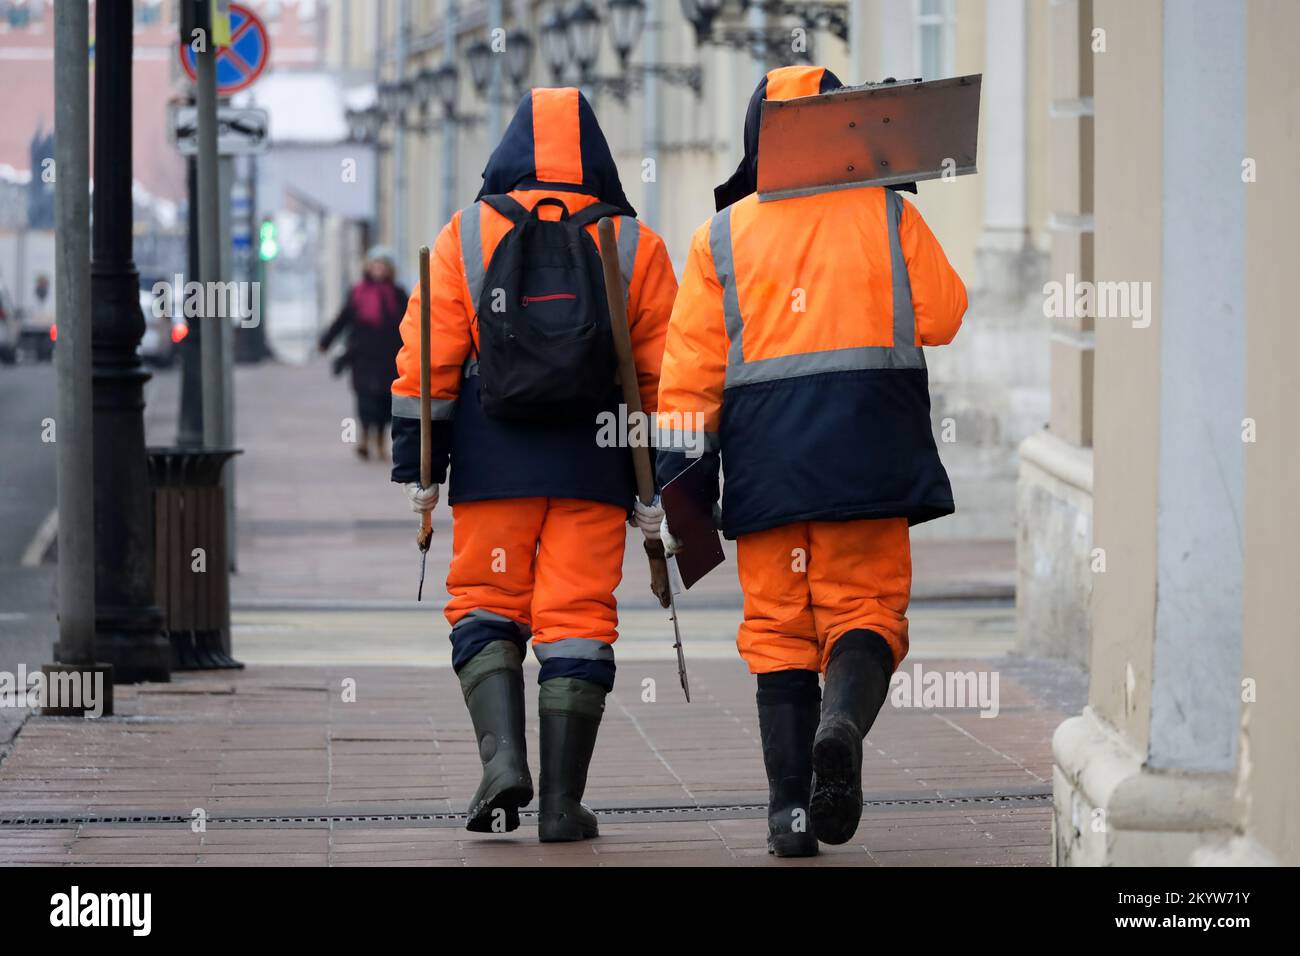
{"points": [[734, 811]]}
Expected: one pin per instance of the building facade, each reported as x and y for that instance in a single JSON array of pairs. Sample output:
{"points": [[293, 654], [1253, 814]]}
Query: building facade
{"points": [[1187, 750]]}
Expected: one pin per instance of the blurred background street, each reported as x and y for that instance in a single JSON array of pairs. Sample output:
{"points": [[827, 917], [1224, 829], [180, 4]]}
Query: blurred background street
{"points": [[1112, 395]]}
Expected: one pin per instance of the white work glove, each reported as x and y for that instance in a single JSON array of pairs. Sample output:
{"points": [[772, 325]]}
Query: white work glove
{"points": [[671, 545], [648, 517], [423, 500]]}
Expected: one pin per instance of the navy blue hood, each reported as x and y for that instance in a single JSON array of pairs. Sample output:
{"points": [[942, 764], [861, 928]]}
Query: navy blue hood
{"points": [[554, 142]]}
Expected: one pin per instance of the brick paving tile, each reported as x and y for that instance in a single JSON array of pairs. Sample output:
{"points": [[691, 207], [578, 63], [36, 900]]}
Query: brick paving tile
{"points": [[250, 859], [375, 836], [281, 742]]}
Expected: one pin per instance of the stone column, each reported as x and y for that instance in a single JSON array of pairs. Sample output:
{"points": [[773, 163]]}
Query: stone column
{"points": [[1006, 263], [1144, 775], [1071, 135], [897, 41], [1054, 492], [1267, 813], [992, 382]]}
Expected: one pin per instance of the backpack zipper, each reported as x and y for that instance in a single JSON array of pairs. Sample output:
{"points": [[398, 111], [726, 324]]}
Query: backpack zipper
{"points": [[547, 298]]}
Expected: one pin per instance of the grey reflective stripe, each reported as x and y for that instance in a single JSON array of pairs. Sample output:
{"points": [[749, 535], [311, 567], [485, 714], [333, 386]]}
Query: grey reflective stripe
{"points": [[907, 354], [471, 252], [904, 353], [479, 614], [629, 234], [575, 648], [725, 268], [815, 363], [408, 406], [691, 442]]}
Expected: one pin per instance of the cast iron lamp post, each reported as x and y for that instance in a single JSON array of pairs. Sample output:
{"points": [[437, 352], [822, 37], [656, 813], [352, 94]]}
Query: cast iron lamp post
{"points": [[128, 624]]}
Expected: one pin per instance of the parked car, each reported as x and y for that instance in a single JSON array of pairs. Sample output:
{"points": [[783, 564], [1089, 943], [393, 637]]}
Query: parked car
{"points": [[162, 333], [8, 329]]}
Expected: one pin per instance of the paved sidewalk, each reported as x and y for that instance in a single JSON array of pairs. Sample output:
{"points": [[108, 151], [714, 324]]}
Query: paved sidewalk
{"points": [[286, 771]]}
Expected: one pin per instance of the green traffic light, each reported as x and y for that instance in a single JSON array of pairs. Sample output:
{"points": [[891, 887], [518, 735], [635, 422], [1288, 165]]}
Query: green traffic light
{"points": [[267, 247]]}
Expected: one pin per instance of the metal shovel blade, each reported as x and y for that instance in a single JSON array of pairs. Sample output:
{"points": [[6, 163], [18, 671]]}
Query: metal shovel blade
{"points": [[879, 135]]}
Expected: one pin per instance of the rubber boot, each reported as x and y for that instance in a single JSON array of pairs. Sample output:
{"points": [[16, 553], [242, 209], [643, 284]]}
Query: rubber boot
{"points": [[857, 683], [570, 711], [493, 684], [787, 720]]}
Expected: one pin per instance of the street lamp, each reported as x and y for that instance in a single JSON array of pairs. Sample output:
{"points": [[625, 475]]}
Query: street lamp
{"points": [[519, 56], [626, 21], [406, 94], [425, 87], [447, 82], [479, 55], [762, 41], [582, 29], [365, 124], [555, 43], [701, 14], [392, 97]]}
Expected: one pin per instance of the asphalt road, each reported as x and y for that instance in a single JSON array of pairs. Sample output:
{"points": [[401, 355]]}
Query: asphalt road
{"points": [[26, 462], [28, 623], [27, 496]]}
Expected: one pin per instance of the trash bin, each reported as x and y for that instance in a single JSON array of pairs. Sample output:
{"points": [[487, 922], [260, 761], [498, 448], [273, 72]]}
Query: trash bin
{"points": [[191, 560]]}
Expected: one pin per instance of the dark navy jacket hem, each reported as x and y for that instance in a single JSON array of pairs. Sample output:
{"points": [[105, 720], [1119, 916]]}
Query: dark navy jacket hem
{"points": [[541, 491], [912, 513]]}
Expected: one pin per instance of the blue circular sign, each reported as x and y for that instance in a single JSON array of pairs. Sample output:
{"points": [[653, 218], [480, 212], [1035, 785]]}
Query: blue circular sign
{"points": [[241, 62]]}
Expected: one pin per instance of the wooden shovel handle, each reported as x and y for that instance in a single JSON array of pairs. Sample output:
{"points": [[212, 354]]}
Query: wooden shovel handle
{"points": [[425, 534], [645, 483]]}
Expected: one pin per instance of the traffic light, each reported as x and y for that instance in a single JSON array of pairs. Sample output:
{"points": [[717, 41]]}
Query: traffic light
{"points": [[267, 247]]}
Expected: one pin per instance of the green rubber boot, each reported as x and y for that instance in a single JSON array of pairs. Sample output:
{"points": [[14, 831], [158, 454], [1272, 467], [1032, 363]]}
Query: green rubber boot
{"points": [[570, 711], [493, 685]]}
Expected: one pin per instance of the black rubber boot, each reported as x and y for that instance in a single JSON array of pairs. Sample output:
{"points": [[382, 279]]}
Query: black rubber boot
{"points": [[493, 684], [857, 683], [570, 711], [787, 720]]}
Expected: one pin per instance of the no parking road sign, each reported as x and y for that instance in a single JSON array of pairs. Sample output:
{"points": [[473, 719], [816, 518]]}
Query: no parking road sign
{"points": [[242, 61]]}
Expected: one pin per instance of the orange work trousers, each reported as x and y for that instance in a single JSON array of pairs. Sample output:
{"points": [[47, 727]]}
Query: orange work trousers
{"points": [[810, 582], [550, 565]]}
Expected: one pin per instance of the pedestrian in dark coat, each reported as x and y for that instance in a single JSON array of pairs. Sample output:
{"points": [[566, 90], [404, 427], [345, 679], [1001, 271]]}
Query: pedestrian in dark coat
{"points": [[372, 318]]}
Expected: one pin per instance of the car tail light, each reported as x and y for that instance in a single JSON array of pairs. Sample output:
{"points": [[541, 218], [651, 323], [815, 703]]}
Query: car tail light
{"points": [[54, 332]]}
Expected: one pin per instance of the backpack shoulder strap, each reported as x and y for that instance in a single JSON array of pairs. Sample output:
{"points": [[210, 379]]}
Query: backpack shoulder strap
{"points": [[593, 213], [629, 235], [507, 206]]}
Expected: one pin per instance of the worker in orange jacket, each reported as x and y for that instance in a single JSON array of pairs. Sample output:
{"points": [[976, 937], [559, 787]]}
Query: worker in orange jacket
{"points": [[538, 503], [796, 340]]}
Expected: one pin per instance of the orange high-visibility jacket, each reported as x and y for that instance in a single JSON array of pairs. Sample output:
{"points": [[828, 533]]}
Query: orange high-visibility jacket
{"points": [[552, 148], [794, 352]]}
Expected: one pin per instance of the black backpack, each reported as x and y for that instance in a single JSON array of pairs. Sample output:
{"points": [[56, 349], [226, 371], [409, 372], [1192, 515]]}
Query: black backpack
{"points": [[546, 352]]}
